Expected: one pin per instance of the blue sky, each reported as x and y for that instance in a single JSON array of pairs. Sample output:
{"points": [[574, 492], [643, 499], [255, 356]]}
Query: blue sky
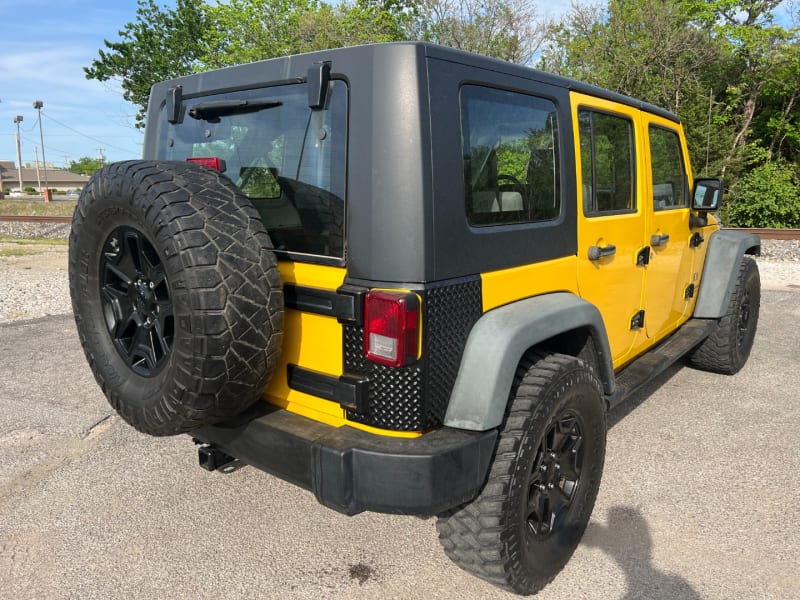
{"points": [[43, 48]]}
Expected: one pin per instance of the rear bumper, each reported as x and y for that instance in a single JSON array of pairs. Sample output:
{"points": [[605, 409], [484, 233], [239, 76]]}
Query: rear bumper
{"points": [[351, 470]]}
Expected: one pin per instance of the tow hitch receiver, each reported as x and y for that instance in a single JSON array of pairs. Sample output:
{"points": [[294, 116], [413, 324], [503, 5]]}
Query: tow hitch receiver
{"points": [[211, 458]]}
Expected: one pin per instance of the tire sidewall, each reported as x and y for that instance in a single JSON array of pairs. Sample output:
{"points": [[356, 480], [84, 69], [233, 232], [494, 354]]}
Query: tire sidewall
{"points": [[748, 286], [576, 390], [121, 206]]}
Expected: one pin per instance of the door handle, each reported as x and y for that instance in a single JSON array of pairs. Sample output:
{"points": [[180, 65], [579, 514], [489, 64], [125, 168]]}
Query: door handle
{"points": [[598, 252], [659, 240]]}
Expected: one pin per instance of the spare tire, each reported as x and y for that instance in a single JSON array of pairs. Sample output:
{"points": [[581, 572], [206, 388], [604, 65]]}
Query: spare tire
{"points": [[176, 294]]}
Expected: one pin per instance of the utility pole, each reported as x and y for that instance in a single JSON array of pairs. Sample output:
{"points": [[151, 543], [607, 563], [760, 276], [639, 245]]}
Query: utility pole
{"points": [[36, 157], [18, 120], [38, 104]]}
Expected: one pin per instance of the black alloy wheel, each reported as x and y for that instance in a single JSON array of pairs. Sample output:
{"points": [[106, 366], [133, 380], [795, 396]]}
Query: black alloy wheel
{"points": [[744, 325], [555, 476], [135, 296]]}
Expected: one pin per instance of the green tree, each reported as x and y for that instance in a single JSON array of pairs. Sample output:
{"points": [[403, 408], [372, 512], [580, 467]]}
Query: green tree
{"points": [[652, 51], [757, 46], [160, 44], [767, 196], [86, 165], [243, 31], [507, 29], [777, 124]]}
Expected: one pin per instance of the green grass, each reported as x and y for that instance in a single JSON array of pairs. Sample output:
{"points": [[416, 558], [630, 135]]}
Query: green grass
{"points": [[17, 252], [10, 239], [60, 208]]}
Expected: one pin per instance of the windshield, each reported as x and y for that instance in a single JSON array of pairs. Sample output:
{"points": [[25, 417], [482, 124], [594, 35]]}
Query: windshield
{"points": [[288, 159]]}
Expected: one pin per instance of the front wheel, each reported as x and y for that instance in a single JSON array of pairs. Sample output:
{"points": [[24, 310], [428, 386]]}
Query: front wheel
{"points": [[527, 521], [728, 347]]}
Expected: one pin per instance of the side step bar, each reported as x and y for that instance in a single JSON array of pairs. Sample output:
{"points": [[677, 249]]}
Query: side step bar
{"points": [[658, 360]]}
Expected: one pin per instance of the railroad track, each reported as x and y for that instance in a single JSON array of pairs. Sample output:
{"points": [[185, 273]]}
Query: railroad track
{"points": [[766, 234], [773, 234]]}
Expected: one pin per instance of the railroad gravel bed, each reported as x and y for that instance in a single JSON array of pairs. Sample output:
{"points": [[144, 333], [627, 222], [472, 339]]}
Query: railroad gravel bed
{"points": [[35, 284], [50, 231]]}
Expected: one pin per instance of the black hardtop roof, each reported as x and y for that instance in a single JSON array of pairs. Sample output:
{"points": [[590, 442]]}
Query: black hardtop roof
{"points": [[494, 64], [286, 66]]}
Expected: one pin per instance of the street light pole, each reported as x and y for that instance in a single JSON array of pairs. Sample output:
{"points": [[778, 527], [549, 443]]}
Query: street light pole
{"points": [[36, 158], [38, 104], [18, 120]]}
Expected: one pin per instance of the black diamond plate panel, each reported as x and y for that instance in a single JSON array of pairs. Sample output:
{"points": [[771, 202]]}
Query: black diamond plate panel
{"points": [[415, 398], [451, 311]]}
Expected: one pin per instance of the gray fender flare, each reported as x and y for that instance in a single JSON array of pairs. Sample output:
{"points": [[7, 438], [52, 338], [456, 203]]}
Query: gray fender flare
{"points": [[496, 344], [725, 251]]}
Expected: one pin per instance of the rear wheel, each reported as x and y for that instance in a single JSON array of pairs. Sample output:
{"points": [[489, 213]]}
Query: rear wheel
{"points": [[528, 519], [728, 347], [176, 294]]}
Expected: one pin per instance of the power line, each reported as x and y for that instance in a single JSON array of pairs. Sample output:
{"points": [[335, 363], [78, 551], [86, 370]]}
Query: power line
{"points": [[85, 135], [36, 143]]}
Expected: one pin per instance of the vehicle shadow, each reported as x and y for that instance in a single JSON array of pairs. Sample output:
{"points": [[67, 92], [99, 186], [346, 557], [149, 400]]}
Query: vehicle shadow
{"points": [[626, 538]]}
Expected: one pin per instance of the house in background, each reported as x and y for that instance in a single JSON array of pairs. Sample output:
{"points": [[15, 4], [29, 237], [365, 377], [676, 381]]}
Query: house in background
{"points": [[57, 179]]}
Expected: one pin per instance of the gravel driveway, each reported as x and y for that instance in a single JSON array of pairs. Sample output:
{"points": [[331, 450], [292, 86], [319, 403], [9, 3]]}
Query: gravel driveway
{"points": [[698, 500]]}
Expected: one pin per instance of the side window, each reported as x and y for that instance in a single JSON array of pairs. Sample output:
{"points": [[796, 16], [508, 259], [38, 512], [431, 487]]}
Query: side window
{"points": [[607, 163], [669, 176], [510, 152]]}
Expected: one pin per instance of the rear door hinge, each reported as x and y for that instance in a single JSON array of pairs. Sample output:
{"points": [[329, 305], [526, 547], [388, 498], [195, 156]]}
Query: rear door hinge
{"points": [[643, 258], [637, 322], [688, 292]]}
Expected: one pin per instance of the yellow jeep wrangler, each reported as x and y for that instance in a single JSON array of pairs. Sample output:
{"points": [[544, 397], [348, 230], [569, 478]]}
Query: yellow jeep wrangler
{"points": [[409, 279]]}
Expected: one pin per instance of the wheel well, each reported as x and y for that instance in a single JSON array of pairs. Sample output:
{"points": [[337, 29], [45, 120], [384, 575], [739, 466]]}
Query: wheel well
{"points": [[576, 342]]}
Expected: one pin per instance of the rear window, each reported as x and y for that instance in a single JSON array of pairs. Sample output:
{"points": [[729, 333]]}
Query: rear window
{"points": [[288, 159]]}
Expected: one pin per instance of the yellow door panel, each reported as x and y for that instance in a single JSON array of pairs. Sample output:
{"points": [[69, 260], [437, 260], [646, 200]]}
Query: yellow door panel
{"points": [[610, 217], [671, 269], [669, 272]]}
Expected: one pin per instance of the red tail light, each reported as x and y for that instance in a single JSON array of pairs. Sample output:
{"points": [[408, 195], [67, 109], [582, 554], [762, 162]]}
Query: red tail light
{"points": [[212, 162], [391, 328]]}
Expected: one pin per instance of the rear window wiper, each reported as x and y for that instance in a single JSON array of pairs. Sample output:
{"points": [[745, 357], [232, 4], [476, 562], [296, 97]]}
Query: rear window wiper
{"points": [[212, 111]]}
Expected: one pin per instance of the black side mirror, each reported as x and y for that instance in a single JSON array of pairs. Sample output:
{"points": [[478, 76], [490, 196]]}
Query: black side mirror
{"points": [[707, 195]]}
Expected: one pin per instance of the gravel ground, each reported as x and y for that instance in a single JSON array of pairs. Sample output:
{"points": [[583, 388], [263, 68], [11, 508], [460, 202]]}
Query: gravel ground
{"points": [[35, 284], [29, 230]]}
